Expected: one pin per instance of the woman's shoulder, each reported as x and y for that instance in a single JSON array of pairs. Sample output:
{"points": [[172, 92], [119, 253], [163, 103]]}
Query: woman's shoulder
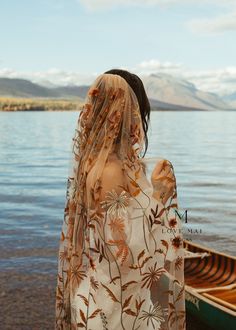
{"points": [[112, 177], [113, 167]]}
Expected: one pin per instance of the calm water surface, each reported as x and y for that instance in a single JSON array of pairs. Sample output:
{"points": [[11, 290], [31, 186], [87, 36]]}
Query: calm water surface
{"points": [[34, 159]]}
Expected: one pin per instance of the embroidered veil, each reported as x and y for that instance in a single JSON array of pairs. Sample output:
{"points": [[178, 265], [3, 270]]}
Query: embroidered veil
{"points": [[120, 261]]}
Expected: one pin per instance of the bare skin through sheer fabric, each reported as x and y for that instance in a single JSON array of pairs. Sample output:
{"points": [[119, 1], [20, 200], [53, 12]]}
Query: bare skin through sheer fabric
{"points": [[120, 262]]}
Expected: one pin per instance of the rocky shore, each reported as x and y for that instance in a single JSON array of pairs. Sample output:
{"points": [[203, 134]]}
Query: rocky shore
{"points": [[27, 295]]}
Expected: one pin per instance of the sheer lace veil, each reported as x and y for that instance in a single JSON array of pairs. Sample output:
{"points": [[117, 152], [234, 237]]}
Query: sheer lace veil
{"points": [[110, 121]]}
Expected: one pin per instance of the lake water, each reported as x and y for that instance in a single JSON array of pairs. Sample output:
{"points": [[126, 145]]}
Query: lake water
{"points": [[34, 158]]}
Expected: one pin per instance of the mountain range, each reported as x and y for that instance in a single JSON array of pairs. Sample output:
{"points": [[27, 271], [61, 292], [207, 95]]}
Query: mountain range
{"points": [[231, 99], [164, 91], [177, 91]]}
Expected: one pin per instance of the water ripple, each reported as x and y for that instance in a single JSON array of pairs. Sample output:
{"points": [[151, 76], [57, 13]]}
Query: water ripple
{"points": [[35, 150]]}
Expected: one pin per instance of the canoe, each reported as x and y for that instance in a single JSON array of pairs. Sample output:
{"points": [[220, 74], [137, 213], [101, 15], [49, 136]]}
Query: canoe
{"points": [[210, 291]]}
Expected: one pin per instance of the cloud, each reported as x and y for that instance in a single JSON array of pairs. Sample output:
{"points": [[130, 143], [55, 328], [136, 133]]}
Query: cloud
{"points": [[106, 4], [218, 24], [156, 65], [53, 76], [221, 81]]}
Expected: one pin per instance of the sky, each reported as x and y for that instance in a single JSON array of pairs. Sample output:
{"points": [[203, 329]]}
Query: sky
{"points": [[72, 41]]}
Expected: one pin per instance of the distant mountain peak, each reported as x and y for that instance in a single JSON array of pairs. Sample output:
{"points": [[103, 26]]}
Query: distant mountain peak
{"points": [[179, 91], [171, 79]]}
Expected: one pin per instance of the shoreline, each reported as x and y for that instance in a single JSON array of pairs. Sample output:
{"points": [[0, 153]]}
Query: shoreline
{"points": [[156, 110], [19, 104], [11, 104], [28, 299]]}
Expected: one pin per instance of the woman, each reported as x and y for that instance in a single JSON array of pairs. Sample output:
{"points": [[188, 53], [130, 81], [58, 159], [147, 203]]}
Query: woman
{"points": [[121, 251]]}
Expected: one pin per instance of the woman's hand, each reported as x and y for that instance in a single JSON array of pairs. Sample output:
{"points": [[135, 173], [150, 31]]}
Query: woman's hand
{"points": [[163, 180]]}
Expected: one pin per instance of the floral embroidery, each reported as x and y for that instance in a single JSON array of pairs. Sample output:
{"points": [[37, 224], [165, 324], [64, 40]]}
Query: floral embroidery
{"points": [[104, 320], [172, 223], [94, 92], [176, 242], [117, 225], [116, 254], [152, 275], [116, 204], [154, 315]]}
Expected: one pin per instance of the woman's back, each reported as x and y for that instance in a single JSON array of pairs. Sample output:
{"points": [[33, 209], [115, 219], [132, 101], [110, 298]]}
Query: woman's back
{"points": [[120, 259], [127, 285]]}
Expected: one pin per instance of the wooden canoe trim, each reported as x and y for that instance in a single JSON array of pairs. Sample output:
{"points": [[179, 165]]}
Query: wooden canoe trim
{"points": [[211, 275], [204, 249], [220, 288], [220, 301], [217, 269], [201, 297], [201, 255]]}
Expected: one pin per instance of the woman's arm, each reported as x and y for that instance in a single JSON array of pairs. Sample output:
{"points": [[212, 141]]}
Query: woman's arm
{"points": [[163, 180]]}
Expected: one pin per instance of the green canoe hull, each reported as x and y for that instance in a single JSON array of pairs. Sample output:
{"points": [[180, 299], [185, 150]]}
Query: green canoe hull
{"points": [[208, 312]]}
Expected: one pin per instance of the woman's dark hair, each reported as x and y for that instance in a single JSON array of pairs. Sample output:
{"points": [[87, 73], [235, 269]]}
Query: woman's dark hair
{"points": [[136, 84]]}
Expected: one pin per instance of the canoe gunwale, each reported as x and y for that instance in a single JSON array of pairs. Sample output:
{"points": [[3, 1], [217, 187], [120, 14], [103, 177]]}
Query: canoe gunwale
{"points": [[220, 301], [199, 296], [216, 288], [209, 272], [206, 249]]}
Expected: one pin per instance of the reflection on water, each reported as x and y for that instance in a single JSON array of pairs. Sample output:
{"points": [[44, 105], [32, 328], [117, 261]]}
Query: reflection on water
{"points": [[35, 150]]}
